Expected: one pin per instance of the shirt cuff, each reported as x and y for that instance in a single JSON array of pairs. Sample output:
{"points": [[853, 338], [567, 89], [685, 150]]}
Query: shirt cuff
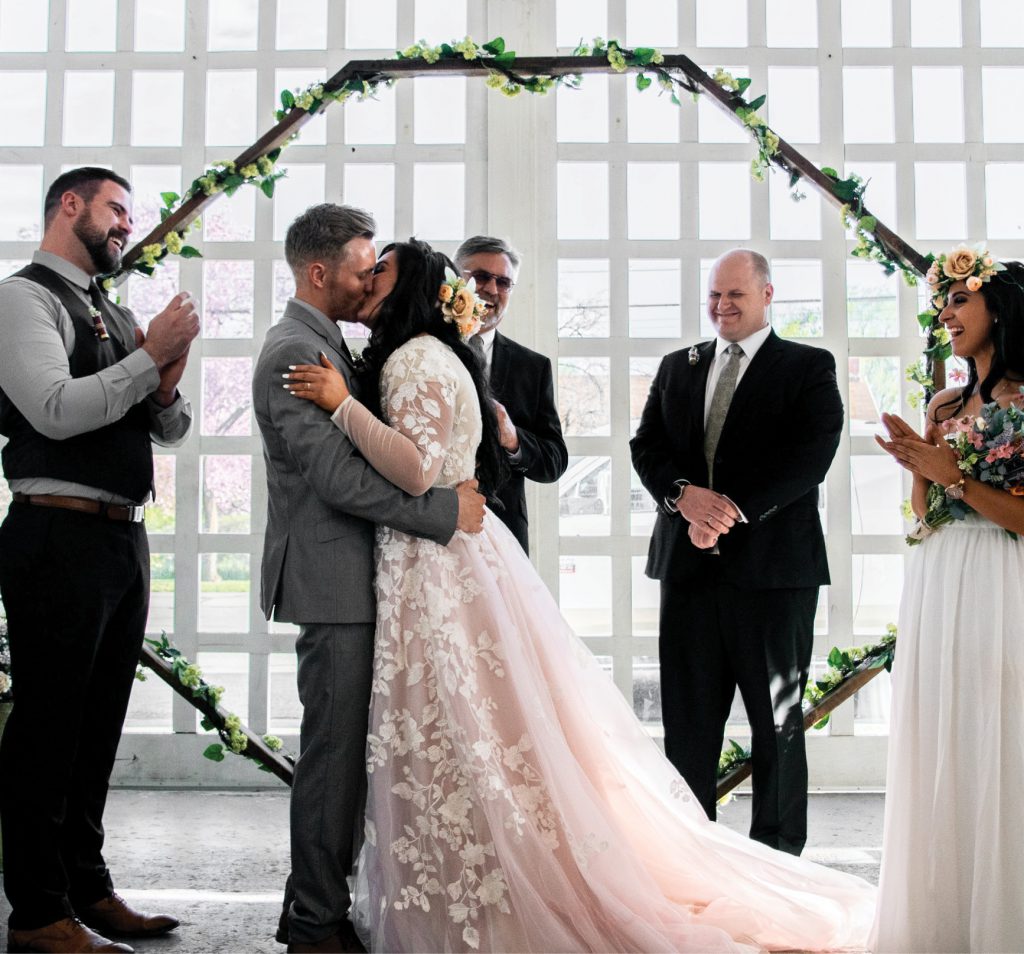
{"points": [[669, 502]]}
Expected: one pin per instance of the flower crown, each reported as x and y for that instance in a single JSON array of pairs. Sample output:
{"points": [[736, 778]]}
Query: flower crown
{"points": [[460, 305], [973, 265]]}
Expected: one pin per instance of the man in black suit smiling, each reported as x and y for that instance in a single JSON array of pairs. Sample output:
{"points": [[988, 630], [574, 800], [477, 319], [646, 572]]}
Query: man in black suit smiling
{"points": [[735, 438], [521, 383]]}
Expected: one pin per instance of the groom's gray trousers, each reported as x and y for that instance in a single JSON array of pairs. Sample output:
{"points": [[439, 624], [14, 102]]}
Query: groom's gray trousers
{"points": [[329, 788]]}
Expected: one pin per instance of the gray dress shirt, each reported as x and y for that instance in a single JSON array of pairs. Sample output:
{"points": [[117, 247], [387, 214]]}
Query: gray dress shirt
{"points": [[36, 338]]}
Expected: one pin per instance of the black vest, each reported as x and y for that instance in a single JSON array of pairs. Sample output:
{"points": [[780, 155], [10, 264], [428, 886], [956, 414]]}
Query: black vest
{"points": [[117, 457]]}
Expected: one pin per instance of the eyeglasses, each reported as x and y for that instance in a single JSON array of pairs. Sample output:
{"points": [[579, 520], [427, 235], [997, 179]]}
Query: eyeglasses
{"points": [[482, 277]]}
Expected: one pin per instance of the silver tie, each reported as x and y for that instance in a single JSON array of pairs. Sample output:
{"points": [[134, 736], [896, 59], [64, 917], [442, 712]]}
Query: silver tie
{"points": [[720, 400]]}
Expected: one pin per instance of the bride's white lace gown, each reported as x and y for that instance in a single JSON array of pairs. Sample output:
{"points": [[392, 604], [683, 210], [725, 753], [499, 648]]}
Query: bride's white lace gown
{"points": [[952, 874], [515, 802]]}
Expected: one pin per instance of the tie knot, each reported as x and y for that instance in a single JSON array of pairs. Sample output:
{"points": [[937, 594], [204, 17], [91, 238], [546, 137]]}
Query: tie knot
{"points": [[735, 350]]}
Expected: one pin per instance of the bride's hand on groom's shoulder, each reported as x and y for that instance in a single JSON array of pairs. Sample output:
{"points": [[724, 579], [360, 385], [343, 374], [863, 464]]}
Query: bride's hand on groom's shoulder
{"points": [[322, 384]]}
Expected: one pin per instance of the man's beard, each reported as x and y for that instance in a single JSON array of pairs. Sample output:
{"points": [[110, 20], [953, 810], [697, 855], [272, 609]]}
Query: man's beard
{"points": [[97, 243]]}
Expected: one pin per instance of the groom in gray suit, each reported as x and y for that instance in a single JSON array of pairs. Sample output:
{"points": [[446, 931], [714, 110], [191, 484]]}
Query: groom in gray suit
{"points": [[323, 503]]}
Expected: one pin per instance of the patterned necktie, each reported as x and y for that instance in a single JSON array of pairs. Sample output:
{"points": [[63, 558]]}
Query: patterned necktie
{"points": [[477, 347], [720, 400]]}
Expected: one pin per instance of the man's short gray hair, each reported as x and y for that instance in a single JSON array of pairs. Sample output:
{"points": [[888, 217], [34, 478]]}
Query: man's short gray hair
{"points": [[486, 245], [322, 231]]}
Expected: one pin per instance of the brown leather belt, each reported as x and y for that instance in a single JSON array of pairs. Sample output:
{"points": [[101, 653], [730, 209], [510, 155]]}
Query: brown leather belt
{"points": [[123, 513]]}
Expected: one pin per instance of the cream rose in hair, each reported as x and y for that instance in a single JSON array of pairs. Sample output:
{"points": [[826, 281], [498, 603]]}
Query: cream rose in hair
{"points": [[460, 305], [973, 283], [960, 263]]}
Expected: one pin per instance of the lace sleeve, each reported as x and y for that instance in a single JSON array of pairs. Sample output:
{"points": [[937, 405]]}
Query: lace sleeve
{"points": [[410, 453]]}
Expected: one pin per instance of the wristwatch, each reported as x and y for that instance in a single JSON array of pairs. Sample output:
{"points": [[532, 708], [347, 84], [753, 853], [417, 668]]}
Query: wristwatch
{"points": [[669, 503], [956, 491]]}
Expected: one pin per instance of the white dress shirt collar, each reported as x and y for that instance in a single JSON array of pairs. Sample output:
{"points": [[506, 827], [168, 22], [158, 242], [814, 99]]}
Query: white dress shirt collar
{"points": [[750, 345]]}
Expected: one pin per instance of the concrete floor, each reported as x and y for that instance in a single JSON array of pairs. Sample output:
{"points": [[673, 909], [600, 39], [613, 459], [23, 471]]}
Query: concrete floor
{"points": [[218, 860]]}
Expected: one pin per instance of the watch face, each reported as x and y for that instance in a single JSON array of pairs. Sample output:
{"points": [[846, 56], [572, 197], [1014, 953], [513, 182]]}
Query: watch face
{"points": [[955, 491]]}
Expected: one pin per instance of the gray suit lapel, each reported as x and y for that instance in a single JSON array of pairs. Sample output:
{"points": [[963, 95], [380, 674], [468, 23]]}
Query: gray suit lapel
{"points": [[329, 331]]}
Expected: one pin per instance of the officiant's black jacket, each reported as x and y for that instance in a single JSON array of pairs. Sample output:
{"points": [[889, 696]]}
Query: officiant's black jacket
{"points": [[521, 380], [778, 440]]}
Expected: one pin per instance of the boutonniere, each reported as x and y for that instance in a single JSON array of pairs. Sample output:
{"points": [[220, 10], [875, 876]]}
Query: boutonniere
{"points": [[98, 327], [693, 355]]}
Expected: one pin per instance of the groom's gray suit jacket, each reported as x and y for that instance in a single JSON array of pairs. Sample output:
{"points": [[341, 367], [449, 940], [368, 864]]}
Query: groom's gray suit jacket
{"points": [[324, 499]]}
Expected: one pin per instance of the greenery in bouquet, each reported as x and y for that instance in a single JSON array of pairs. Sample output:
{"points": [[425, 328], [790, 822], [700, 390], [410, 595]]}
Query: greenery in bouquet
{"points": [[989, 448], [6, 684]]}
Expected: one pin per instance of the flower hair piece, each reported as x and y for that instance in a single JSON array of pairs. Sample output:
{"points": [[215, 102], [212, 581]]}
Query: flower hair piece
{"points": [[972, 265], [460, 305]]}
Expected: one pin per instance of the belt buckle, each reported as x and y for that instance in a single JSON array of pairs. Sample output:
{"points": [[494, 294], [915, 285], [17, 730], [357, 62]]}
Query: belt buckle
{"points": [[136, 513]]}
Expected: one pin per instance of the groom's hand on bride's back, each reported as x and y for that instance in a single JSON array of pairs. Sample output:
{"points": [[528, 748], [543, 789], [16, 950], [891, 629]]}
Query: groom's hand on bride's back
{"points": [[471, 507]]}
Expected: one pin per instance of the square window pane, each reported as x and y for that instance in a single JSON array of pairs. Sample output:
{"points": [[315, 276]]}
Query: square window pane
{"points": [[224, 603], [371, 121], [721, 22], [371, 26], [584, 498], [577, 20], [715, 124], [874, 389], [23, 108], [88, 110], [793, 104], [372, 186], [21, 203], [938, 104], [877, 583], [940, 197], [284, 288], [792, 218], [650, 115], [867, 22], [227, 299], [147, 297], [23, 26], [880, 194], [159, 26], [147, 184], [1001, 23], [652, 23], [161, 126], [642, 509], [583, 298], [585, 593], [227, 397], [646, 599], [654, 298], [791, 23], [91, 26], [302, 25], [796, 310], [872, 306], [647, 689], [724, 200], [439, 109], [439, 200], [230, 107], [584, 399], [232, 218], [868, 111], [876, 494], [233, 24], [296, 192], [160, 514], [1002, 92], [285, 709], [161, 590], [1004, 201], [582, 114], [230, 670], [314, 133], [583, 200], [872, 706], [227, 493], [440, 18], [935, 23], [652, 207]]}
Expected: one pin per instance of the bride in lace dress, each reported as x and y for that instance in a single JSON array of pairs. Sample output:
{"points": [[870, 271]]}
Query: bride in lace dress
{"points": [[515, 802]]}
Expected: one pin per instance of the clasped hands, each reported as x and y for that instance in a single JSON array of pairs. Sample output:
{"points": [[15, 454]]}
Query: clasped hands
{"points": [[167, 340], [709, 514], [929, 457]]}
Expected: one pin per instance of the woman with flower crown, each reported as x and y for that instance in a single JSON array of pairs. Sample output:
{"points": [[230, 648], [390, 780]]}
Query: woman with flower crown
{"points": [[952, 875], [515, 802]]}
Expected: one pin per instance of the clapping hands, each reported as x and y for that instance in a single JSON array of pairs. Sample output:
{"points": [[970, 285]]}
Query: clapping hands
{"points": [[929, 457]]}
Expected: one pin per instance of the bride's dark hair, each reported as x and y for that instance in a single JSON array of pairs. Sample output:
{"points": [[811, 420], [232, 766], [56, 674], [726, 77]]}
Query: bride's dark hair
{"points": [[1004, 298], [411, 309]]}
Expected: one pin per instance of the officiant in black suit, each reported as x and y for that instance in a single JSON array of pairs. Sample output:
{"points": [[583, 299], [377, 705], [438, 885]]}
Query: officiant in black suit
{"points": [[520, 380], [735, 438]]}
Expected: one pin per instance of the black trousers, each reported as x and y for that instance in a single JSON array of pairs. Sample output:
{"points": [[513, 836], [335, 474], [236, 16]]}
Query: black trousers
{"points": [[76, 590], [713, 640]]}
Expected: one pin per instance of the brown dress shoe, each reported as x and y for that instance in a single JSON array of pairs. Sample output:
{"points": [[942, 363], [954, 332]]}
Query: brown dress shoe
{"points": [[114, 916], [66, 936]]}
